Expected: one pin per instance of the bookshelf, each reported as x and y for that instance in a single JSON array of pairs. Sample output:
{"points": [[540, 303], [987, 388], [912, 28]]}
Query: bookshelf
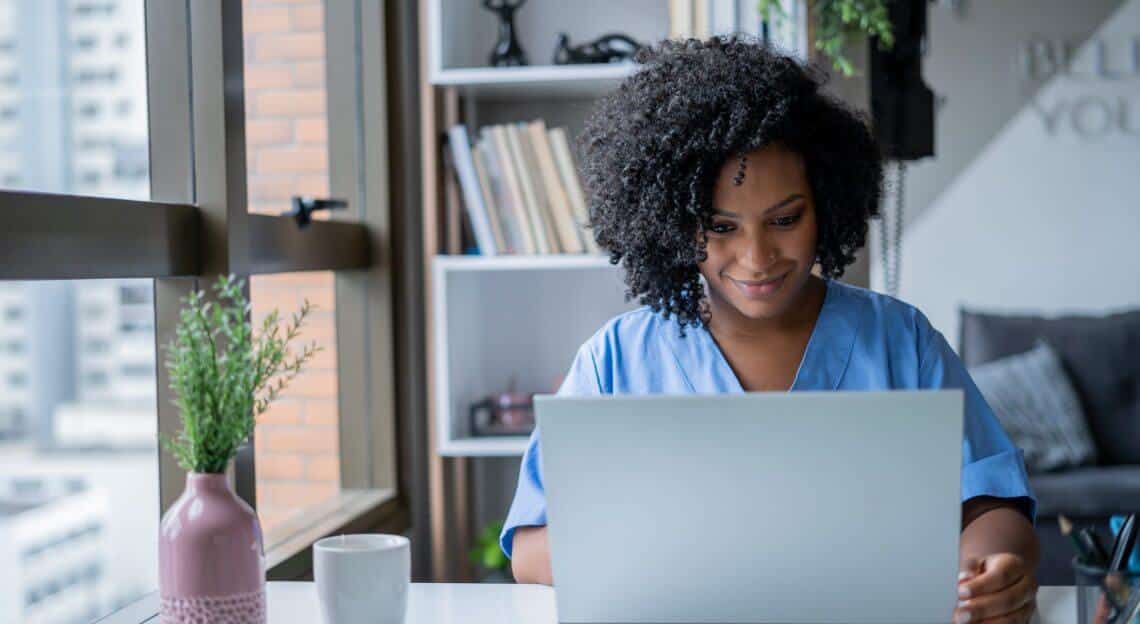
{"points": [[491, 319], [459, 87], [510, 320]]}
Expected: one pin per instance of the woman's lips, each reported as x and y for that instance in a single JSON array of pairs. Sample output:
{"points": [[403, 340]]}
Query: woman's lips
{"points": [[757, 289]]}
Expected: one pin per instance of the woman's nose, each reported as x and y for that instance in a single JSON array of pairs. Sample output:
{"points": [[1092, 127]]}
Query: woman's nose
{"points": [[759, 253]]}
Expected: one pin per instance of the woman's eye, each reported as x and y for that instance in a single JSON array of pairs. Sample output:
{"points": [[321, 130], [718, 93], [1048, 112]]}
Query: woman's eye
{"points": [[721, 228], [785, 221]]}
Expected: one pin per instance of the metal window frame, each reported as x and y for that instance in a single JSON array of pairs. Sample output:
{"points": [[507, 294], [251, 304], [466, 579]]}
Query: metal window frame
{"points": [[196, 227]]}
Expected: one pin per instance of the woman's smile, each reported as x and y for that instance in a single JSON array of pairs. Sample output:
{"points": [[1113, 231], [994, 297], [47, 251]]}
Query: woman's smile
{"points": [[758, 289]]}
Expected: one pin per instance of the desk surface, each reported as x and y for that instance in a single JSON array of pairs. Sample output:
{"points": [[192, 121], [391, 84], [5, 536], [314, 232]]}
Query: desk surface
{"points": [[471, 603]]}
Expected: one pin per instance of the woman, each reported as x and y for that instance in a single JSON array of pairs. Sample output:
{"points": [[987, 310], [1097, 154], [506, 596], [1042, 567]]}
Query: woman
{"points": [[719, 175]]}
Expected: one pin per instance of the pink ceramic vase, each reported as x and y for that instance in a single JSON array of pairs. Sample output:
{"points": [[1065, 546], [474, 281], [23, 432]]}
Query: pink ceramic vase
{"points": [[210, 556]]}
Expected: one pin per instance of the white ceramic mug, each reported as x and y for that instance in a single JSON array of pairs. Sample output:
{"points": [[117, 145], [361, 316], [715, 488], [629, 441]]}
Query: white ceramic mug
{"points": [[363, 578]]}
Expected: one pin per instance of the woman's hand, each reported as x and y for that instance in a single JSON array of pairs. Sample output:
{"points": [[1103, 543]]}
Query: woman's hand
{"points": [[997, 589]]}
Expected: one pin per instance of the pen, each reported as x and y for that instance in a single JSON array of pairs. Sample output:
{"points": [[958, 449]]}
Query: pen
{"points": [[1114, 523], [1085, 556], [1084, 553], [1125, 540], [1093, 542]]}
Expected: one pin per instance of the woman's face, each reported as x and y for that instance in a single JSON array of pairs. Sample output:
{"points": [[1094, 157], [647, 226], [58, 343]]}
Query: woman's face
{"points": [[762, 243]]}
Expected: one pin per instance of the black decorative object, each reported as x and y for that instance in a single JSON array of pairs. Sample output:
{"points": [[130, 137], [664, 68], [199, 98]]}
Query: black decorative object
{"points": [[902, 105], [303, 208], [507, 52], [611, 48]]}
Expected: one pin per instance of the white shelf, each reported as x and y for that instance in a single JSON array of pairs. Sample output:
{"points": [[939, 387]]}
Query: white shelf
{"points": [[537, 80], [520, 262], [513, 446], [506, 320]]}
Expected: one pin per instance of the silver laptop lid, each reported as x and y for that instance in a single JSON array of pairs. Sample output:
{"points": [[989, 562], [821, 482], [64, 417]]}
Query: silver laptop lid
{"points": [[770, 507]]}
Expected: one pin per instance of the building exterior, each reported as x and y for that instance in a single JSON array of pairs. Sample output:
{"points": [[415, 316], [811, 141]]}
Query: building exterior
{"points": [[73, 119], [53, 550]]}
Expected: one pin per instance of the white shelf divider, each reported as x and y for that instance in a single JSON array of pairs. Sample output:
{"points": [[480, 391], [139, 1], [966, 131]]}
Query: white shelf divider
{"points": [[536, 80], [516, 262], [510, 318]]}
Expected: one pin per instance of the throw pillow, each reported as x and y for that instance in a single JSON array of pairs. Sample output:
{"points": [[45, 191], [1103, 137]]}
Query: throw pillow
{"points": [[1034, 401]]}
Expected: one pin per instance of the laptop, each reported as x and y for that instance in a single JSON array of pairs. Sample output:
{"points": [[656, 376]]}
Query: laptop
{"points": [[821, 507]]}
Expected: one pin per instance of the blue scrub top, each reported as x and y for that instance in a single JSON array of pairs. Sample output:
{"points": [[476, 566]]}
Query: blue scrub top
{"points": [[862, 340]]}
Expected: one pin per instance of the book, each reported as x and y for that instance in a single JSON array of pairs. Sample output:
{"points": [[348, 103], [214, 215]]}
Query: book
{"points": [[504, 208], [564, 161], [680, 19], [557, 200], [490, 202], [701, 18], [541, 192], [705, 18], [498, 137], [460, 146], [518, 158]]}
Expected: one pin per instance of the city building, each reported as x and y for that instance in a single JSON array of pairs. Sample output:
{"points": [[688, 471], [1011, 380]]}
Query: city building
{"points": [[53, 550]]}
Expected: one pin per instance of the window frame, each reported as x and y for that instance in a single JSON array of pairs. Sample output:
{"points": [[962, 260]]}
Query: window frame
{"points": [[195, 227]]}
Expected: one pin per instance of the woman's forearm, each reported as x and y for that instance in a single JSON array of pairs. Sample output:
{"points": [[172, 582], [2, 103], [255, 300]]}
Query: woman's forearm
{"points": [[990, 530], [531, 556], [998, 528]]}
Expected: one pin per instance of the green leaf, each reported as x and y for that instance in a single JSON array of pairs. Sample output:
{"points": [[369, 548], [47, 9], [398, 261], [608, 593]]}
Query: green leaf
{"points": [[223, 375], [837, 22]]}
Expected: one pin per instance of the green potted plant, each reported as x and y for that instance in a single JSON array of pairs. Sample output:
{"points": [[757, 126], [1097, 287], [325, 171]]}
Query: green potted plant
{"points": [[489, 557], [838, 21], [223, 375]]}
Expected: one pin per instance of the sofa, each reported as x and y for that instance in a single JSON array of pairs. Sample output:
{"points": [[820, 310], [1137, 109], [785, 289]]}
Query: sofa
{"points": [[1101, 357]]}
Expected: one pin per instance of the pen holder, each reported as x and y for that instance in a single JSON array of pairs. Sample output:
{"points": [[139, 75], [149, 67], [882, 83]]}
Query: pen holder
{"points": [[1106, 598]]}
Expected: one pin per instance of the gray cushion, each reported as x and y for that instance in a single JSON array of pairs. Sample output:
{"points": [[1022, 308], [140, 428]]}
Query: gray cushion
{"points": [[1035, 403], [1091, 491], [1101, 354]]}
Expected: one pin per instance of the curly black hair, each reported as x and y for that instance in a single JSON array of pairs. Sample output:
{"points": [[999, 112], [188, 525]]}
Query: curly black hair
{"points": [[652, 150]]}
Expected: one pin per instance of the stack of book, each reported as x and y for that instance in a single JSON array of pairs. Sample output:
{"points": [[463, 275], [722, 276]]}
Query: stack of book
{"points": [[521, 190]]}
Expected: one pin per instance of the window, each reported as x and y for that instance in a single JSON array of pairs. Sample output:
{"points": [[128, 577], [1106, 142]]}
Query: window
{"points": [[110, 442], [136, 326], [297, 439], [85, 42], [135, 294], [138, 370], [87, 9], [93, 312], [74, 84]]}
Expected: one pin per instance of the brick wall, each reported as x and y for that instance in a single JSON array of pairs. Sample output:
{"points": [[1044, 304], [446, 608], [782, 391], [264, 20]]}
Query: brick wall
{"points": [[286, 150]]}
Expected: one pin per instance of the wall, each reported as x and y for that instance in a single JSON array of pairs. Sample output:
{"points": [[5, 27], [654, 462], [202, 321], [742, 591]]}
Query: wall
{"points": [[1030, 204]]}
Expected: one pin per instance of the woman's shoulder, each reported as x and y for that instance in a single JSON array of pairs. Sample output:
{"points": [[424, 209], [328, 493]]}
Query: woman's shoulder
{"points": [[629, 331], [882, 311]]}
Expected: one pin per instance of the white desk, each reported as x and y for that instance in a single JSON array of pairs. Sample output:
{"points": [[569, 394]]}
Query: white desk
{"points": [[444, 603]]}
